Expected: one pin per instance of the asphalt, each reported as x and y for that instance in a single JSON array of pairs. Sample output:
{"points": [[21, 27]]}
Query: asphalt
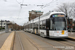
{"points": [[28, 41], [71, 35], [22, 43]]}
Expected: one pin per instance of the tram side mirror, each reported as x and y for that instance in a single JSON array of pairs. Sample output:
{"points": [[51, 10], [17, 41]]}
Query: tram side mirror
{"points": [[66, 15]]}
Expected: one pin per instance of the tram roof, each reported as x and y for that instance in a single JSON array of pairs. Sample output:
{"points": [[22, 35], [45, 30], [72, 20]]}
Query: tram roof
{"points": [[43, 16], [56, 13]]}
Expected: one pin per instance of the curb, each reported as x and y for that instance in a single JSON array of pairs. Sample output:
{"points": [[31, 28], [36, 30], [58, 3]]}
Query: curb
{"points": [[8, 44], [71, 37]]}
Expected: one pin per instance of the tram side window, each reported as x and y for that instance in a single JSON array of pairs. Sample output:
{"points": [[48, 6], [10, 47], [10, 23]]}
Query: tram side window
{"points": [[40, 24], [26, 26], [33, 25], [48, 24], [44, 24], [30, 25], [36, 25], [53, 27]]}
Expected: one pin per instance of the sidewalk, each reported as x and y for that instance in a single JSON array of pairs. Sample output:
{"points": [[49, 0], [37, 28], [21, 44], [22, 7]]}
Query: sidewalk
{"points": [[2, 32], [71, 35], [3, 38]]}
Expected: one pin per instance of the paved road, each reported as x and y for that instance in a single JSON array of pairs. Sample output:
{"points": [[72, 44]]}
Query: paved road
{"points": [[3, 37], [28, 41], [72, 35]]}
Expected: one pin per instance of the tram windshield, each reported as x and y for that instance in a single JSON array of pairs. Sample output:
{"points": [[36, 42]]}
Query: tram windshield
{"points": [[59, 23]]}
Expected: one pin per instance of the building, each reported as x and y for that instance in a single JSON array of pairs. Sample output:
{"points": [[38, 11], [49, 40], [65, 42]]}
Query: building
{"points": [[69, 24], [14, 26], [33, 14], [3, 23]]}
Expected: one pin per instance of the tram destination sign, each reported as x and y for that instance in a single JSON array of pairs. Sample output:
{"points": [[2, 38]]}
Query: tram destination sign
{"points": [[58, 15]]}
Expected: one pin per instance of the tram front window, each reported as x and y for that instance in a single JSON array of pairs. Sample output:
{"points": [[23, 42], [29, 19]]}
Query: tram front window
{"points": [[59, 23]]}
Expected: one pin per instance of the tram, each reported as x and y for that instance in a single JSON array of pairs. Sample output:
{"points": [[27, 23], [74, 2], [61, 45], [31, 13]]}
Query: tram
{"points": [[51, 24]]}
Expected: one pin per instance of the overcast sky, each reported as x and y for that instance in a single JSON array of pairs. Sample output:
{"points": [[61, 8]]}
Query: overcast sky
{"points": [[10, 9]]}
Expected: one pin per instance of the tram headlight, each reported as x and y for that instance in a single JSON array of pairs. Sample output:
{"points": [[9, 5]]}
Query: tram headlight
{"points": [[66, 31], [57, 31]]}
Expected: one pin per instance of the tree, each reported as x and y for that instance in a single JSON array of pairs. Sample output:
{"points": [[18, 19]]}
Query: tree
{"points": [[72, 10], [68, 9], [63, 8]]}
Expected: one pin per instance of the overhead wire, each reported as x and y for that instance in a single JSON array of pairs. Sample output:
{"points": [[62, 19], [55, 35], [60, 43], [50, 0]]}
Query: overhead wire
{"points": [[18, 2], [20, 7], [48, 4], [19, 12], [42, 6]]}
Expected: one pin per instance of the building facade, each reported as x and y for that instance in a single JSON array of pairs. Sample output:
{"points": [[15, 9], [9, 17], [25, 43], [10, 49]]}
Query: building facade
{"points": [[3, 23], [33, 14]]}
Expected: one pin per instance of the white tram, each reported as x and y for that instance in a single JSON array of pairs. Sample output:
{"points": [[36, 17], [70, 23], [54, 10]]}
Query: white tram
{"points": [[53, 25]]}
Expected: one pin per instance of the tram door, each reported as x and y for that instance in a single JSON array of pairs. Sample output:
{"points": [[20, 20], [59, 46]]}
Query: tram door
{"points": [[47, 27], [35, 30]]}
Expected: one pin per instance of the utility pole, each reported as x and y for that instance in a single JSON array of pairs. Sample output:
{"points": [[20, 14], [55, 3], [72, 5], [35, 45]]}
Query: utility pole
{"points": [[1, 24]]}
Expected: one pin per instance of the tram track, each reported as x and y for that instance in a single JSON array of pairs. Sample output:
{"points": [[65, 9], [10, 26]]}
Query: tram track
{"points": [[69, 39], [66, 41], [17, 42], [70, 42], [30, 41], [61, 42], [22, 48], [46, 43]]}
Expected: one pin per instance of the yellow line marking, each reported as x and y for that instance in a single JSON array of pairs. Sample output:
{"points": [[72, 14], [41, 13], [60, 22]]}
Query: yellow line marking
{"points": [[8, 44]]}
